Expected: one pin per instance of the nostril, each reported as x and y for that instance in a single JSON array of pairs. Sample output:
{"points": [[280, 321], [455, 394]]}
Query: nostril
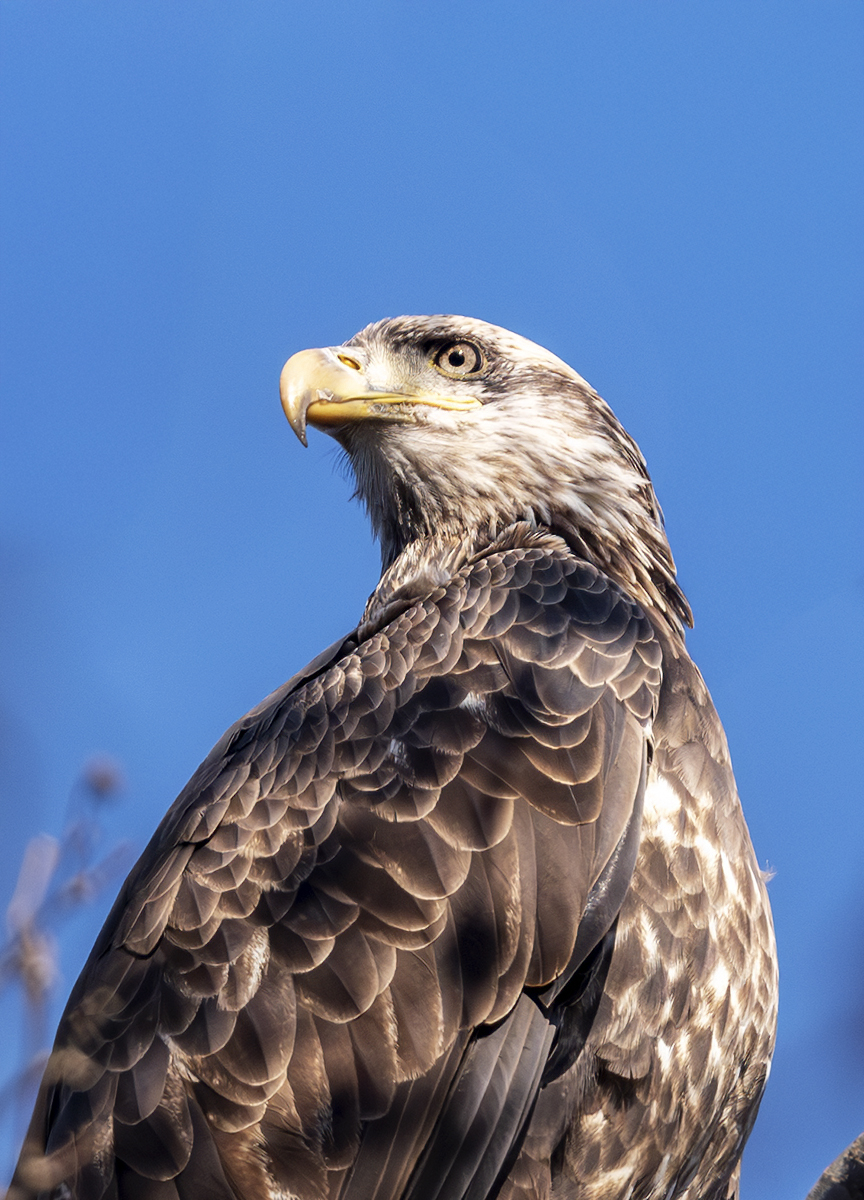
{"points": [[347, 361]]}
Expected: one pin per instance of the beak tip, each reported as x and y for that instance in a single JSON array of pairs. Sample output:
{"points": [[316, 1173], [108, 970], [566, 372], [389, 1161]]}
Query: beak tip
{"points": [[295, 393], [297, 421]]}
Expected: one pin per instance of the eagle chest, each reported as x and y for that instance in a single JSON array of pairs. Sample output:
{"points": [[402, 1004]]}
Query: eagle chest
{"points": [[679, 1053]]}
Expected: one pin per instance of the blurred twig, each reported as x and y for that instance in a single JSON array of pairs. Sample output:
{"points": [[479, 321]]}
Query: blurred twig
{"points": [[56, 879]]}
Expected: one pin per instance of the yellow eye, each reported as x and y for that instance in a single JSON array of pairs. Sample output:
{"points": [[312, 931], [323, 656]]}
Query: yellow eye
{"points": [[460, 359]]}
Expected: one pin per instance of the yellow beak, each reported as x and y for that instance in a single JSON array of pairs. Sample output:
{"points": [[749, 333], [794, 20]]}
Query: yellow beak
{"points": [[327, 389]]}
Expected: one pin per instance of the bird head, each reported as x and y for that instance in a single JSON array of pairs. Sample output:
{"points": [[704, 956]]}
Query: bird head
{"points": [[456, 429]]}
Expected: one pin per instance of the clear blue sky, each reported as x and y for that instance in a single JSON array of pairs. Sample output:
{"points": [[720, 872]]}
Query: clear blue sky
{"points": [[667, 195]]}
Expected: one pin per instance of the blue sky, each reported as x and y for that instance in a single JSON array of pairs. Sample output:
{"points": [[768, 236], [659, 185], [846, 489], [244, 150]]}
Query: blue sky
{"points": [[666, 195]]}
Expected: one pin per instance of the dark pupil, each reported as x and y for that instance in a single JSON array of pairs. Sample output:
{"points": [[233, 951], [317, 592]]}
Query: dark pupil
{"points": [[456, 358]]}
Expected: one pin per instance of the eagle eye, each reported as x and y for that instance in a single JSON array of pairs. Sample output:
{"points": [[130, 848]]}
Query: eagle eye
{"points": [[459, 359]]}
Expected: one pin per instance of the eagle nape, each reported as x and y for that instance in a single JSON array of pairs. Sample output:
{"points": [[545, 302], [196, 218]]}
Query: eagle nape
{"points": [[468, 908]]}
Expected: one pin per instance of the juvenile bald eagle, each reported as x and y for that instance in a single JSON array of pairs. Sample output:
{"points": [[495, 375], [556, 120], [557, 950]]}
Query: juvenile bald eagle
{"points": [[468, 908]]}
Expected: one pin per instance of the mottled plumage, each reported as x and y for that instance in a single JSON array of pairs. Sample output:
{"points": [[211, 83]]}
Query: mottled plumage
{"points": [[468, 908]]}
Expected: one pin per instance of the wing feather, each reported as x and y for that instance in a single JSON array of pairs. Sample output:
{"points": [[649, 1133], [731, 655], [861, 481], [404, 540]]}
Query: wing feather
{"points": [[332, 940]]}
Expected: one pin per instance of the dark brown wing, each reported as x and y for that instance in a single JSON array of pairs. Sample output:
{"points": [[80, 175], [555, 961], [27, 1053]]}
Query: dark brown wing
{"points": [[355, 938], [844, 1178]]}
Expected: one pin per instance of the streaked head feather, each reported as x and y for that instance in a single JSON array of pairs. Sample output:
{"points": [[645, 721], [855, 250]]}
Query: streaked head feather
{"points": [[544, 448]]}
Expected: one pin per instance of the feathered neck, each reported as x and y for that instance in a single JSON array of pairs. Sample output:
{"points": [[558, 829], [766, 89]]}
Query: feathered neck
{"points": [[436, 500]]}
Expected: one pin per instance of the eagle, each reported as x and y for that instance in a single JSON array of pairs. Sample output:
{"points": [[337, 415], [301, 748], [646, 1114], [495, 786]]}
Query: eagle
{"points": [[468, 908]]}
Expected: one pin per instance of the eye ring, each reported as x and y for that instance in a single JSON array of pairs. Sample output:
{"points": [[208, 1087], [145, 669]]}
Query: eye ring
{"points": [[459, 360]]}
